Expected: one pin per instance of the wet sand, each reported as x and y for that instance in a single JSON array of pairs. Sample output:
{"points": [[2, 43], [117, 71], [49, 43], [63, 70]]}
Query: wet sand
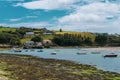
{"points": [[105, 48]]}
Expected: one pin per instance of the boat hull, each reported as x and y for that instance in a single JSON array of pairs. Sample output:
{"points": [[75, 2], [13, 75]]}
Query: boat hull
{"points": [[110, 55]]}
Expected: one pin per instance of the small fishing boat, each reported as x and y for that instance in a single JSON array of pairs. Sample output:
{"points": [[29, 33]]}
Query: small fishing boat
{"points": [[96, 52], [40, 50], [53, 53], [26, 50], [81, 53], [17, 50], [111, 55]]}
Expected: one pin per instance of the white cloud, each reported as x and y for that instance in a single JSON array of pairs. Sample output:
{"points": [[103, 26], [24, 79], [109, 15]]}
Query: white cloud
{"points": [[16, 19], [12, 0], [28, 24], [92, 12], [48, 4], [19, 19], [95, 17], [31, 16]]}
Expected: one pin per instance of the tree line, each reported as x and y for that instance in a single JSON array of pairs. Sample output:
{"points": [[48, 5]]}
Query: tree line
{"points": [[100, 39], [97, 39]]}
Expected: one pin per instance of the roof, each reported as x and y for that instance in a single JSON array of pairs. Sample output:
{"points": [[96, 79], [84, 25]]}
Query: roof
{"points": [[29, 32]]}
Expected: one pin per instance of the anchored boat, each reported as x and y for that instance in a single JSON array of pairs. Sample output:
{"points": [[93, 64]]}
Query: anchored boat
{"points": [[111, 55], [96, 52], [81, 53], [53, 53], [40, 50], [17, 50]]}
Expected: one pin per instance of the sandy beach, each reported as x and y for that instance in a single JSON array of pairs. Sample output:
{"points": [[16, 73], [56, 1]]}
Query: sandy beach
{"points": [[105, 48]]}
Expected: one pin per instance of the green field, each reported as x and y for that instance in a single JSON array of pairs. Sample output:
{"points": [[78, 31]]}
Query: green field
{"points": [[48, 37], [24, 40], [2, 29], [83, 34]]}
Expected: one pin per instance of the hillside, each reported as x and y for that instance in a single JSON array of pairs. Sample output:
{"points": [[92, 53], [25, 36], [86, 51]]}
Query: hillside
{"points": [[17, 36], [7, 29], [83, 34]]}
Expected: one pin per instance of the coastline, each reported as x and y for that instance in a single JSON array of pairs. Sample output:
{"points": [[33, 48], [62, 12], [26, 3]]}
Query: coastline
{"points": [[79, 47], [104, 48], [89, 48], [33, 68]]}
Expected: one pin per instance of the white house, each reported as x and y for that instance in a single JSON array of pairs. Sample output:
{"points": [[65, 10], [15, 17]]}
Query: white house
{"points": [[29, 34], [39, 44], [47, 33], [29, 44], [47, 42]]}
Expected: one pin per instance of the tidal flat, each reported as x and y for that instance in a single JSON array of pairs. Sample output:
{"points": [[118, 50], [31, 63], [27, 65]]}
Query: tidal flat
{"points": [[24, 67]]}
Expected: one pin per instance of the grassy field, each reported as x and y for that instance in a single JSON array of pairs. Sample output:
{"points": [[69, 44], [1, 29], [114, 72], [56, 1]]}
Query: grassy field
{"points": [[83, 34], [24, 40], [21, 67], [48, 37], [70, 32], [7, 29]]}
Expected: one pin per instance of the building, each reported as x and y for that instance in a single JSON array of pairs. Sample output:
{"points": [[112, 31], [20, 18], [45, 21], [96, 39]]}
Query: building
{"points": [[47, 33], [29, 44], [39, 44], [47, 42], [29, 34]]}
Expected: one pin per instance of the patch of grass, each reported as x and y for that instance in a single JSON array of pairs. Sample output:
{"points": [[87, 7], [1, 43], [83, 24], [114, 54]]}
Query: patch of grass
{"points": [[4, 48], [2, 29], [25, 39], [4, 75], [48, 37], [69, 32], [83, 34]]}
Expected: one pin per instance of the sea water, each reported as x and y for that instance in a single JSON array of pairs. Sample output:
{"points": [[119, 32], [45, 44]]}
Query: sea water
{"points": [[96, 60]]}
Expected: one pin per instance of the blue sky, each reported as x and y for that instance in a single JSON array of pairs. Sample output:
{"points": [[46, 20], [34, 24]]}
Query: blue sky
{"points": [[74, 15]]}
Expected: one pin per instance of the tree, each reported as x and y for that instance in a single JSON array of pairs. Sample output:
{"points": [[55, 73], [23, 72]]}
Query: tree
{"points": [[37, 39], [15, 41], [101, 39], [60, 30], [68, 40], [88, 41]]}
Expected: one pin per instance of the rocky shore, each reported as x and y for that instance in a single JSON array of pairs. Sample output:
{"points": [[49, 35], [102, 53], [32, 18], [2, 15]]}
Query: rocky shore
{"points": [[23, 67]]}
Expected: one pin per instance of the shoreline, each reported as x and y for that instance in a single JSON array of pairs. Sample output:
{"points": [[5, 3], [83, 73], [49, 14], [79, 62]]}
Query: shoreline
{"points": [[33, 68], [75, 47], [104, 48]]}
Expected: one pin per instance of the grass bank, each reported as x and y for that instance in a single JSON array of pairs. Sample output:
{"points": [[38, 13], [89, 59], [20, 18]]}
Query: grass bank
{"points": [[22, 67]]}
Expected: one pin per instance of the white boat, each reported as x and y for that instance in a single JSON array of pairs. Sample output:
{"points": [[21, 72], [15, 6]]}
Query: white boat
{"points": [[40, 50], [53, 53], [81, 53], [26, 50], [96, 52], [17, 50], [111, 55]]}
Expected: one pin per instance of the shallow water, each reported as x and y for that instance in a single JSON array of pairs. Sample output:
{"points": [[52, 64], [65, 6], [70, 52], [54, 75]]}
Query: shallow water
{"points": [[97, 60]]}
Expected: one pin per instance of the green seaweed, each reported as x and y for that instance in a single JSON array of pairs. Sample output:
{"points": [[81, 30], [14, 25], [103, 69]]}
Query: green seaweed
{"points": [[23, 67]]}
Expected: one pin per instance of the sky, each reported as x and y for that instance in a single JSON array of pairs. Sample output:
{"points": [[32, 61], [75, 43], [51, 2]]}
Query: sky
{"points": [[73, 15]]}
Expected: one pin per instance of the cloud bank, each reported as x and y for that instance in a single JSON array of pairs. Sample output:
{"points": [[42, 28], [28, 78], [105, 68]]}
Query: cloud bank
{"points": [[83, 15], [49, 4]]}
